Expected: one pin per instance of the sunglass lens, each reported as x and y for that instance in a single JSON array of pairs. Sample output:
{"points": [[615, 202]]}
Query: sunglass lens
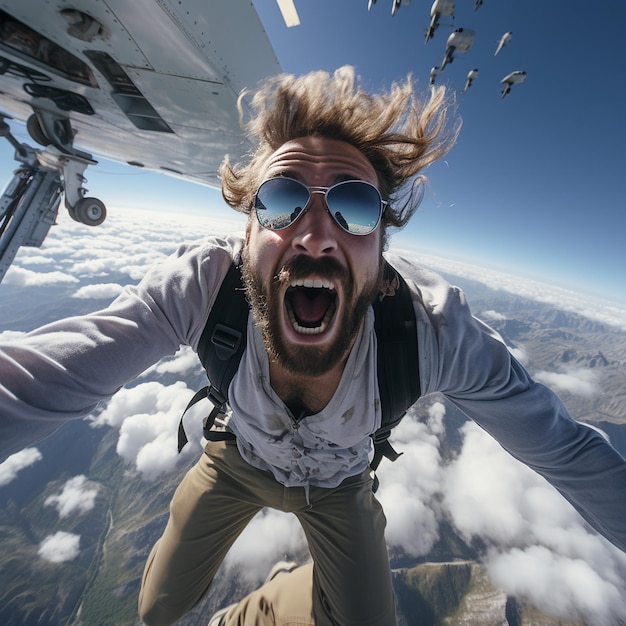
{"points": [[279, 202], [356, 206]]}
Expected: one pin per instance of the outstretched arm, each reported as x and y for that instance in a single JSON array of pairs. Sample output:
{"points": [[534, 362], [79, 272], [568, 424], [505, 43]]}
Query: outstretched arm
{"points": [[468, 362], [65, 369]]}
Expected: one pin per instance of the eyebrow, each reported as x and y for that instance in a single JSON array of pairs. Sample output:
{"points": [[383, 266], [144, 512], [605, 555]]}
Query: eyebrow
{"points": [[340, 178]]}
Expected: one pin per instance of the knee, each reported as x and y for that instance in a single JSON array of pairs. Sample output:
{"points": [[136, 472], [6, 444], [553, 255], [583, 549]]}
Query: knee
{"points": [[155, 615], [152, 612]]}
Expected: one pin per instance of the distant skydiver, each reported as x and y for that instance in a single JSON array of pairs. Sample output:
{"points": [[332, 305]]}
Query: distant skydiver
{"points": [[439, 8], [514, 78], [434, 72], [506, 38], [460, 40], [471, 76]]}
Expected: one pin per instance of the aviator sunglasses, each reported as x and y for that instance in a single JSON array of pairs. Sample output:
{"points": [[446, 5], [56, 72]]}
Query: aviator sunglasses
{"points": [[354, 204]]}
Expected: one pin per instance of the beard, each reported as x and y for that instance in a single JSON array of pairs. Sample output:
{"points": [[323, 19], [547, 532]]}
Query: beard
{"points": [[266, 303]]}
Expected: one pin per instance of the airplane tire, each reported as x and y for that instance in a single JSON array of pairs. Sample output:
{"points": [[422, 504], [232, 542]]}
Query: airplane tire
{"points": [[90, 211]]}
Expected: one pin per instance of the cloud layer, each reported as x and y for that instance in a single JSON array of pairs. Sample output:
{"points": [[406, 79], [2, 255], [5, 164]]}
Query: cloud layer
{"points": [[565, 299], [538, 547]]}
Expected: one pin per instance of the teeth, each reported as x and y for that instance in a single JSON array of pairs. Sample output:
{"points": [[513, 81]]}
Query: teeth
{"points": [[316, 283], [304, 330]]}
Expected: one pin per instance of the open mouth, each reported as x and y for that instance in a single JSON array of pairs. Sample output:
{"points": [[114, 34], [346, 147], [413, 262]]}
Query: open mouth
{"points": [[311, 304]]}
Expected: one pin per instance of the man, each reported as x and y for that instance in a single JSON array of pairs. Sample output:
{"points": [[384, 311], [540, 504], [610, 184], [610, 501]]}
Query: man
{"points": [[333, 169]]}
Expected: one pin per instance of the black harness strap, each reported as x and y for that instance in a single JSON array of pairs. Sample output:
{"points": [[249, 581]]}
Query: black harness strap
{"points": [[221, 347], [223, 341], [398, 365]]}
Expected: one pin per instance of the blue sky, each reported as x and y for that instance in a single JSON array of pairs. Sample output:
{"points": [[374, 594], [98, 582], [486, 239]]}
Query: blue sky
{"points": [[533, 185]]}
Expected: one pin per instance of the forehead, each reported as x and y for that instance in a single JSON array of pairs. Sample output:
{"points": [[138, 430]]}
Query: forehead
{"points": [[319, 161]]}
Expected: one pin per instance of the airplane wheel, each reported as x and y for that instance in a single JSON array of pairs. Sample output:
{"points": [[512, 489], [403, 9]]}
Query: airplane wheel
{"points": [[90, 211], [36, 132]]}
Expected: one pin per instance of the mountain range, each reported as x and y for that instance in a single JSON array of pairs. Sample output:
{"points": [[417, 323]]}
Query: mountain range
{"points": [[449, 583]]}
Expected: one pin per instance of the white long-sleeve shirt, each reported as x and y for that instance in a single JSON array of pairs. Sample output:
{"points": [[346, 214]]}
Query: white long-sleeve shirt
{"points": [[65, 369]]}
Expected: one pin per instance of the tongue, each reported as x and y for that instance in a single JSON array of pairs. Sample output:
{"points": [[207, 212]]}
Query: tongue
{"points": [[310, 305]]}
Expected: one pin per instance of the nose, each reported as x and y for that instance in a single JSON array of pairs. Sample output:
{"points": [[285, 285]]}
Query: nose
{"points": [[316, 230]]}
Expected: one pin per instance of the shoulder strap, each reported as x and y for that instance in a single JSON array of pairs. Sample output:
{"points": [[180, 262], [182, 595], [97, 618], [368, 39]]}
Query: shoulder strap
{"points": [[221, 346], [223, 339], [398, 373]]}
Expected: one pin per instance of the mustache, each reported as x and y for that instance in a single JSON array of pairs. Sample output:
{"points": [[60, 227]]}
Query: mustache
{"points": [[303, 265]]}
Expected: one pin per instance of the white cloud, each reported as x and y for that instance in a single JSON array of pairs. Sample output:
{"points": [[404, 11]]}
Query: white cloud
{"points": [[540, 547], [436, 415], [9, 335], [27, 278], [147, 416], [185, 361], [16, 462], [35, 258], [106, 261], [564, 299], [410, 487], [99, 290], [559, 585], [492, 315], [484, 489], [581, 382], [59, 547], [75, 497], [128, 242], [520, 355], [270, 533]]}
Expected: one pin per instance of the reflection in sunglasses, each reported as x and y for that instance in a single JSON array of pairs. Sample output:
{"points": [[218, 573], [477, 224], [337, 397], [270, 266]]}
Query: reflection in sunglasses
{"points": [[355, 205]]}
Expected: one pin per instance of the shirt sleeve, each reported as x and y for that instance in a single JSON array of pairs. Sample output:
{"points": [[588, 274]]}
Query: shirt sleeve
{"points": [[468, 362], [65, 369]]}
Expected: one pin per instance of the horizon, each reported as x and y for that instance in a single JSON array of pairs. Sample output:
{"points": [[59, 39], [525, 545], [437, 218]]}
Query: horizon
{"points": [[588, 305], [532, 185]]}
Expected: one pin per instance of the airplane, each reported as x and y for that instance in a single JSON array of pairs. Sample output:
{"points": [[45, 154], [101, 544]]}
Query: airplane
{"points": [[471, 76], [460, 40], [506, 38], [514, 78], [148, 83], [439, 8]]}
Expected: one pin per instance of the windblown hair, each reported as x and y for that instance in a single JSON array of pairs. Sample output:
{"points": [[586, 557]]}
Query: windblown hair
{"points": [[395, 131]]}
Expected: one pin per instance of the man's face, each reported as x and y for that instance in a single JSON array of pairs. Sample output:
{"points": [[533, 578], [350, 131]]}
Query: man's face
{"points": [[310, 284]]}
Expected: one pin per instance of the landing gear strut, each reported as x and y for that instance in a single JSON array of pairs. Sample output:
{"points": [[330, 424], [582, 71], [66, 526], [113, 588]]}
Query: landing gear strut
{"points": [[29, 204]]}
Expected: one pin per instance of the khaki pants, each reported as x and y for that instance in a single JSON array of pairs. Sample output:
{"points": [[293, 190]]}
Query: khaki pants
{"points": [[349, 583]]}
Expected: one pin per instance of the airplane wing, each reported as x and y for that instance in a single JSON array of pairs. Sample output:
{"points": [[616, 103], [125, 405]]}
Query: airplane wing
{"points": [[152, 83], [149, 82]]}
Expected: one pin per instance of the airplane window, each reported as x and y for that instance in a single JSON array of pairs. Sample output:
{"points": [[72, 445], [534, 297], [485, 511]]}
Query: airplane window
{"points": [[22, 39]]}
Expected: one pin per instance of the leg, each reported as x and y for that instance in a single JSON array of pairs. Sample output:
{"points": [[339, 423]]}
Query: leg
{"points": [[283, 601], [209, 510], [345, 528], [350, 581]]}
